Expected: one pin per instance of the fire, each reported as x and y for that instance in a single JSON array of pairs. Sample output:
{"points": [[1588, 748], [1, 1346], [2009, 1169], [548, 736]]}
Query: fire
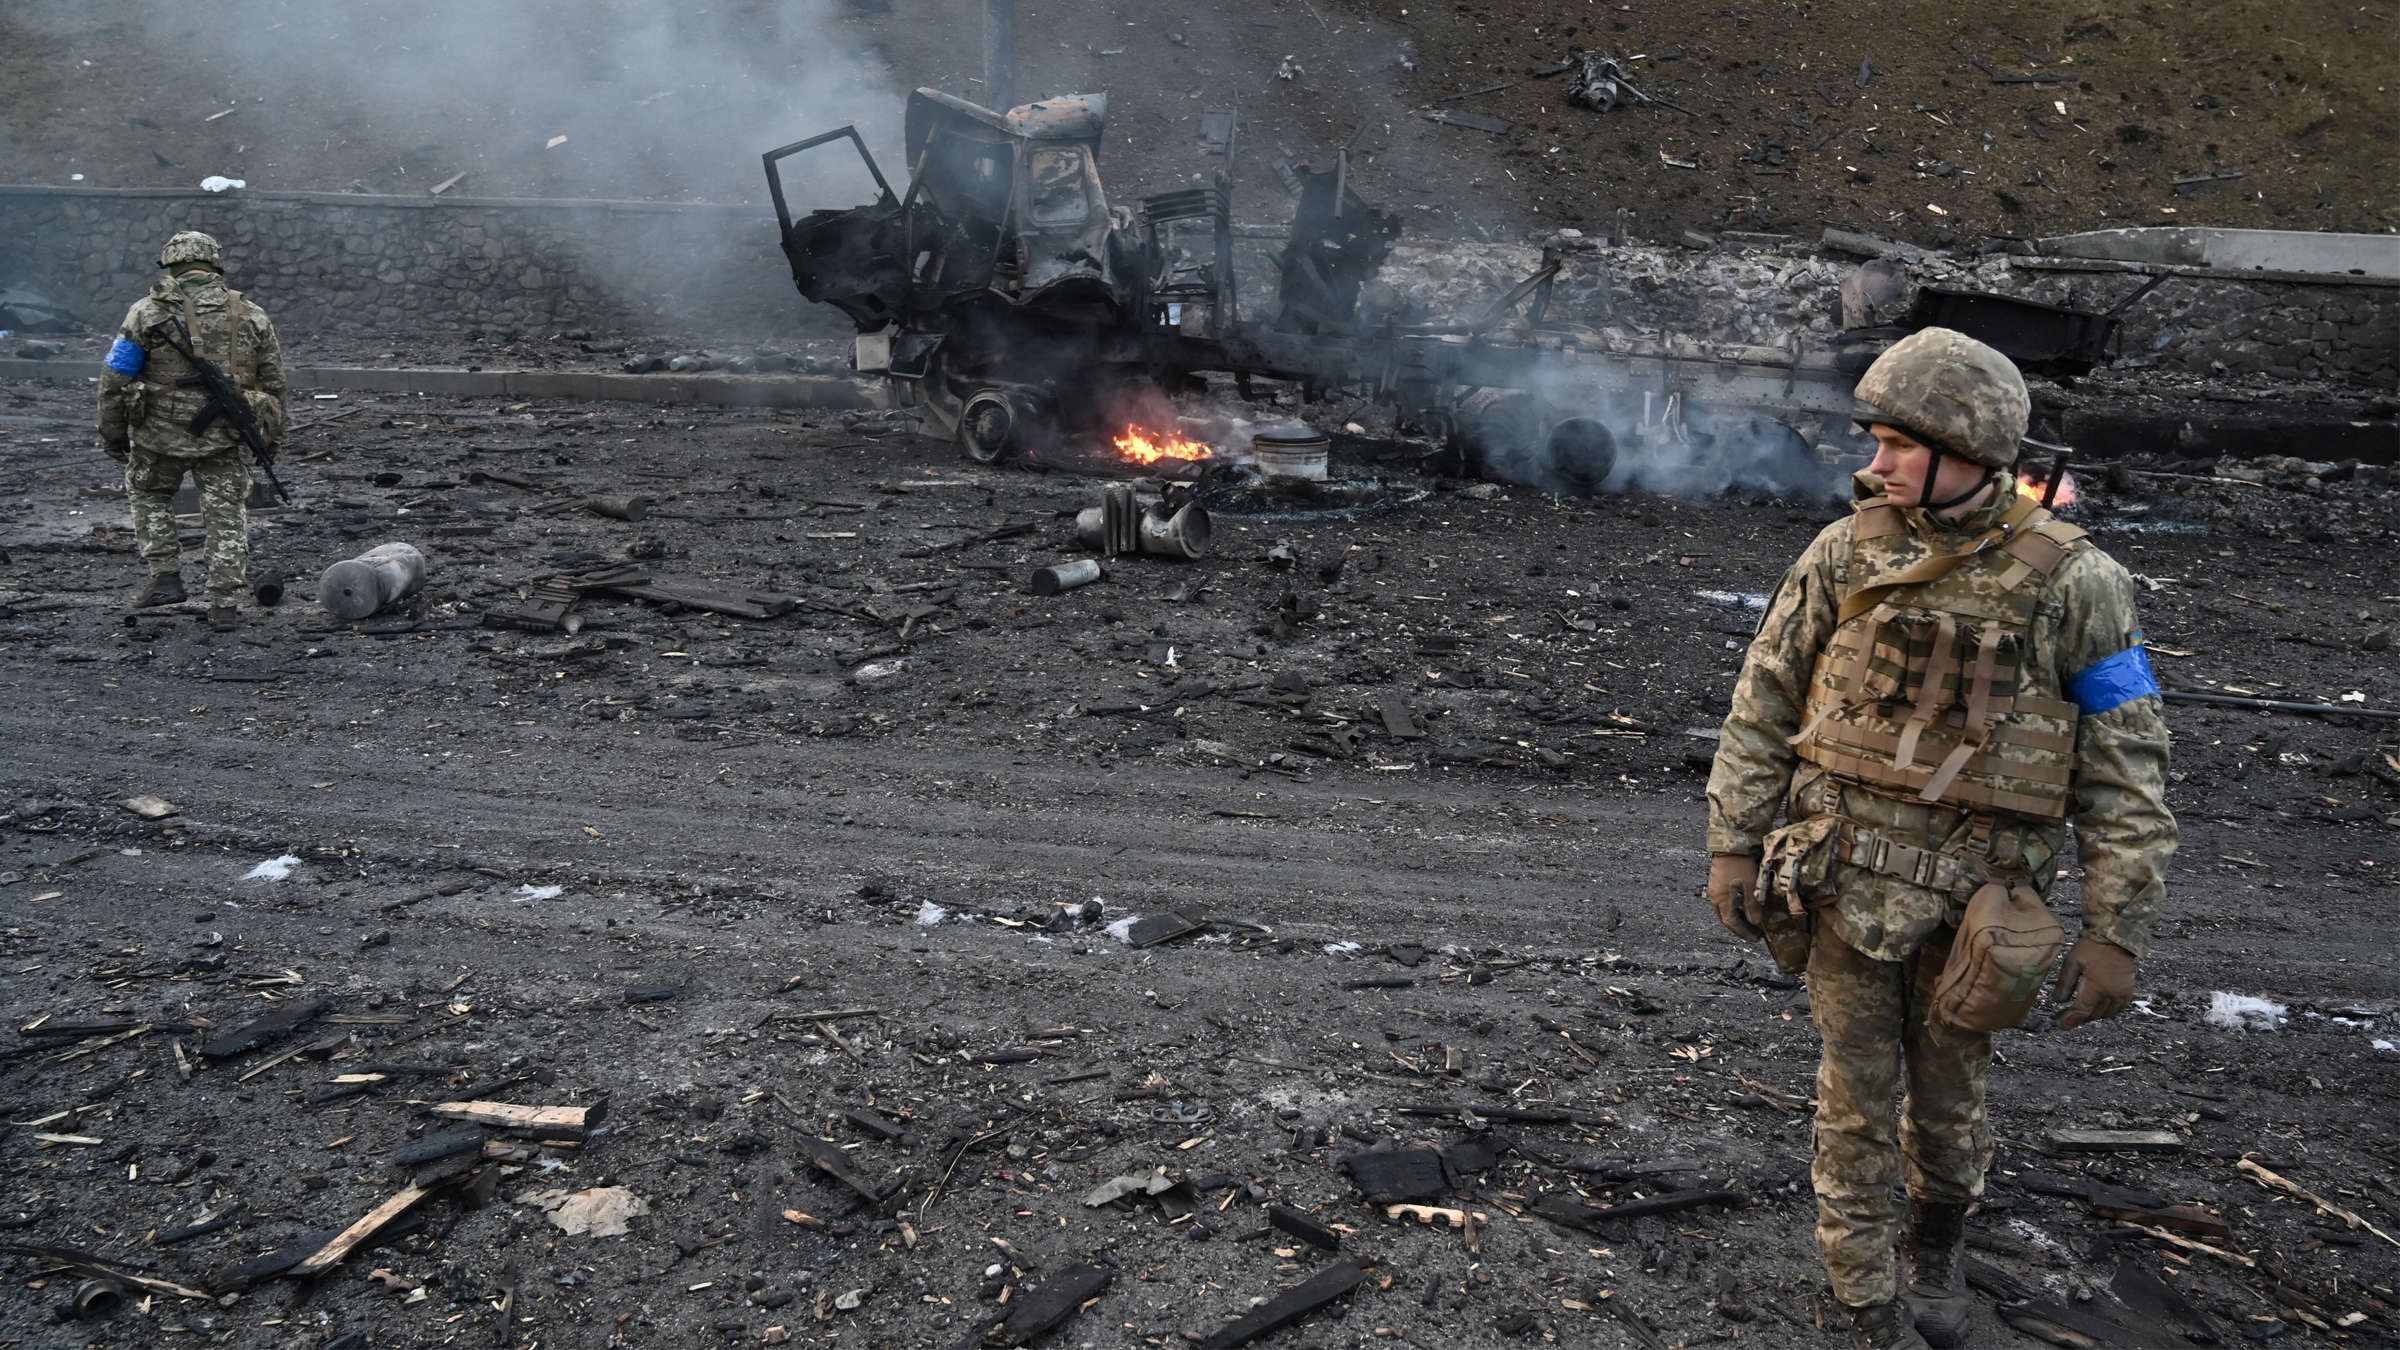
{"points": [[2033, 486], [1144, 446]]}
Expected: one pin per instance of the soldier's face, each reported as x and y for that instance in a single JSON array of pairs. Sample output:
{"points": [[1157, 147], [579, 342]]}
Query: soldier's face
{"points": [[1905, 464]]}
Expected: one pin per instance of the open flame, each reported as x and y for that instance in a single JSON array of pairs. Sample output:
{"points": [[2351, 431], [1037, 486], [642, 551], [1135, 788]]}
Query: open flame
{"points": [[2033, 485], [1144, 446]]}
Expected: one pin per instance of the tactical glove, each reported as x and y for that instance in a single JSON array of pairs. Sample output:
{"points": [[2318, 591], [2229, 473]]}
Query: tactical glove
{"points": [[117, 452], [1733, 889], [2097, 979]]}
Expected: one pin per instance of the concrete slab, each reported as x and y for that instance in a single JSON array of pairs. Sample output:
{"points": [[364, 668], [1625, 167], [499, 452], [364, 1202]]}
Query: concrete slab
{"points": [[2373, 256]]}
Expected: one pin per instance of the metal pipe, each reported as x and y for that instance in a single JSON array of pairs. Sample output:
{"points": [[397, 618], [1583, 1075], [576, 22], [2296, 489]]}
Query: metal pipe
{"points": [[1066, 576], [2058, 474], [1000, 54], [2281, 705]]}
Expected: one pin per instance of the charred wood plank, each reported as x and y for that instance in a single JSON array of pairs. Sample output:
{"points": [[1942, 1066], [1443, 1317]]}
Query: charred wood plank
{"points": [[266, 1030], [1560, 1207], [1293, 1304], [829, 1159], [100, 1267], [2116, 1141], [1303, 1227], [1046, 1306]]}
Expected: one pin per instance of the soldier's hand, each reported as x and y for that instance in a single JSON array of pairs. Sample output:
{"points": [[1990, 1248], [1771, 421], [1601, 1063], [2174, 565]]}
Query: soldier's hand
{"points": [[1733, 890], [119, 453], [2096, 980]]}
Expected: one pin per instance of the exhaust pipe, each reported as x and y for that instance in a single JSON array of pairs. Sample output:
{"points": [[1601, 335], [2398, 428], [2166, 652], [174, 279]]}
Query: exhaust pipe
{"points": [[1123, 523]]}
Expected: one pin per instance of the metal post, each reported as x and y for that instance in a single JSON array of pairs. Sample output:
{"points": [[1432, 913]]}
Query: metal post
{"points": [[1000, 54]]}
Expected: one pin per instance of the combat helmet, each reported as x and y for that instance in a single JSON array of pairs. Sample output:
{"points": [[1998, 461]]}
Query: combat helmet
{"points": [[191, 246], [1951, 393]]}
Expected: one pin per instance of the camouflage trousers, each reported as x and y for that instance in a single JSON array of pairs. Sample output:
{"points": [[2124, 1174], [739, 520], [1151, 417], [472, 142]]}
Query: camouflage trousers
{"points": [[224, 485], [1872, 1016]]}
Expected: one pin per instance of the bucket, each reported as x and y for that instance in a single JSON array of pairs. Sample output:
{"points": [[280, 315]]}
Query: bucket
{"points": [[1291, 452]]}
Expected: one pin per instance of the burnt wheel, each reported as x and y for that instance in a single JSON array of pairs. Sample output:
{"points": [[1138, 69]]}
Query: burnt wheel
{"points": [[988, 426]]}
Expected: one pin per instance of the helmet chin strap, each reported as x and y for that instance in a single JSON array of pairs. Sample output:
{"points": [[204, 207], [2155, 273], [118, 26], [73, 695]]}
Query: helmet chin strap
{"points": [[1933, 470]]}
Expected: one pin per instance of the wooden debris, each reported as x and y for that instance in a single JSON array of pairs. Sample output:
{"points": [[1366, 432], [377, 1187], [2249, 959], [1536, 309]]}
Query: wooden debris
{"points": [[1398, 1175], [1292, 1305], [828, 1158], [1044, 1307], [700, 596], [2183, 1218], [266, 1030], [369, 1224], [440, 1144], [1456, 1218], [543, 1122], [2278, 1182], [1303, 1227], [2116, 1141], [202, 1228], [100, 1267], [1153, 929], [1560, 1207]]}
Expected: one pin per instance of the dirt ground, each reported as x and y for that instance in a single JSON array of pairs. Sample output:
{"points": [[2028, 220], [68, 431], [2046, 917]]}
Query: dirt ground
{"points": [[1944, 123], [624, 866]]}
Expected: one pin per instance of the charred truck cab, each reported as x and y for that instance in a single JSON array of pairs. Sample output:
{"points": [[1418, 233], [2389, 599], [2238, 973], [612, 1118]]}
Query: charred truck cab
{"points": [[1003, 275]]}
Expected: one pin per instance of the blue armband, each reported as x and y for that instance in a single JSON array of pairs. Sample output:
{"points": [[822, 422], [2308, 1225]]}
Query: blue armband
{"points": [[2113, 681], [126, 357]]}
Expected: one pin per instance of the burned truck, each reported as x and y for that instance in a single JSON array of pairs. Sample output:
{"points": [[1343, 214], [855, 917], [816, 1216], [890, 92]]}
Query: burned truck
{"points": [[1003, 294]]}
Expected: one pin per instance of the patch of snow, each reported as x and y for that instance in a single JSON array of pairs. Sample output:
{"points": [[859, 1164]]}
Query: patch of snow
{"points": [[1122, 929], [2241, 1012], [1736, 599], [930, 914], [217, 182], [540, 892], [2387, 1047], [273, 869], [1343, 948]]}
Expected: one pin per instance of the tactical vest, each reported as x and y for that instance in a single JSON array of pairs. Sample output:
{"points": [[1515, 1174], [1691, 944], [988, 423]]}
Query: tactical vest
{"points": [[220, 333], [1928, 688]]}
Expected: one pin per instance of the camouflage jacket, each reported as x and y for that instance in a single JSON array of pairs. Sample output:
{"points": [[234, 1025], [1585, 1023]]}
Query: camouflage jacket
{"points": [[2085, 638], [142, 408]]}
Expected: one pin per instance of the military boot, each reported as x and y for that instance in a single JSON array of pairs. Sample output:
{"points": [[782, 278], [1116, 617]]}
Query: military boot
{"points": [[224, 618], [1883, 1326], [166, 588], [1937, 1291]]}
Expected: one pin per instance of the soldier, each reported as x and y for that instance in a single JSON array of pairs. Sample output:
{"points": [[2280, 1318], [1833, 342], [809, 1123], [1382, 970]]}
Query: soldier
{"points": [[147, 410], [1946, 679]]}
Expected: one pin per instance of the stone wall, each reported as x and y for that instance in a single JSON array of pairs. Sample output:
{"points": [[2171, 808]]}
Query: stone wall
{"points": [[425, 267]]}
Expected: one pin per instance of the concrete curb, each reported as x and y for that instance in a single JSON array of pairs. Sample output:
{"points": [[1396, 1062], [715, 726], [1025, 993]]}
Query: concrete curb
{"points": [[726, 391]]}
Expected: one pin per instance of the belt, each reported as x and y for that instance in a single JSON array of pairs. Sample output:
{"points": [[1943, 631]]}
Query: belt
{"points": [[1930, 868]]}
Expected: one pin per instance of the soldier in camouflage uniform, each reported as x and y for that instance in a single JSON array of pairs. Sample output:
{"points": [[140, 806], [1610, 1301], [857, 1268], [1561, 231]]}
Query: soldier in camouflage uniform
{"points": [[146, 413], [1946, 679]]}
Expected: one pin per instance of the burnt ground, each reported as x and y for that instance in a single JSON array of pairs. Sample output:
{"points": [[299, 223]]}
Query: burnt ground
{"points": [[1940, 122], [881, 801]]}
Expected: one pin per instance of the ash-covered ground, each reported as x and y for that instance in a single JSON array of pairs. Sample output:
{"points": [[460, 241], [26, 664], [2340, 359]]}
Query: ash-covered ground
{"points": [[1420, 763]]}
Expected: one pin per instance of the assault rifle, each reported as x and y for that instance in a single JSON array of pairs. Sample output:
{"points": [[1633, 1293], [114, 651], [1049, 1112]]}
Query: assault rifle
{"points": [[224, 401]]}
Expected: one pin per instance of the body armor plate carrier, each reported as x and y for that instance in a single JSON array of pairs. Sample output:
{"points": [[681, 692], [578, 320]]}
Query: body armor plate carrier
{"points": [[1927, 688]]}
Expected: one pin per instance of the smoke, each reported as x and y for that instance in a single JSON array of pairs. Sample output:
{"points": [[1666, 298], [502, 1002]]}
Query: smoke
{"points": [[652, 101], [1578, 437]]}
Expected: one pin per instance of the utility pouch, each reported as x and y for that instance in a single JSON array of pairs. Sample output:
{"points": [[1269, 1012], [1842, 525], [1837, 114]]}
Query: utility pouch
{"points": [[1795, 874], [2004, 949]]}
